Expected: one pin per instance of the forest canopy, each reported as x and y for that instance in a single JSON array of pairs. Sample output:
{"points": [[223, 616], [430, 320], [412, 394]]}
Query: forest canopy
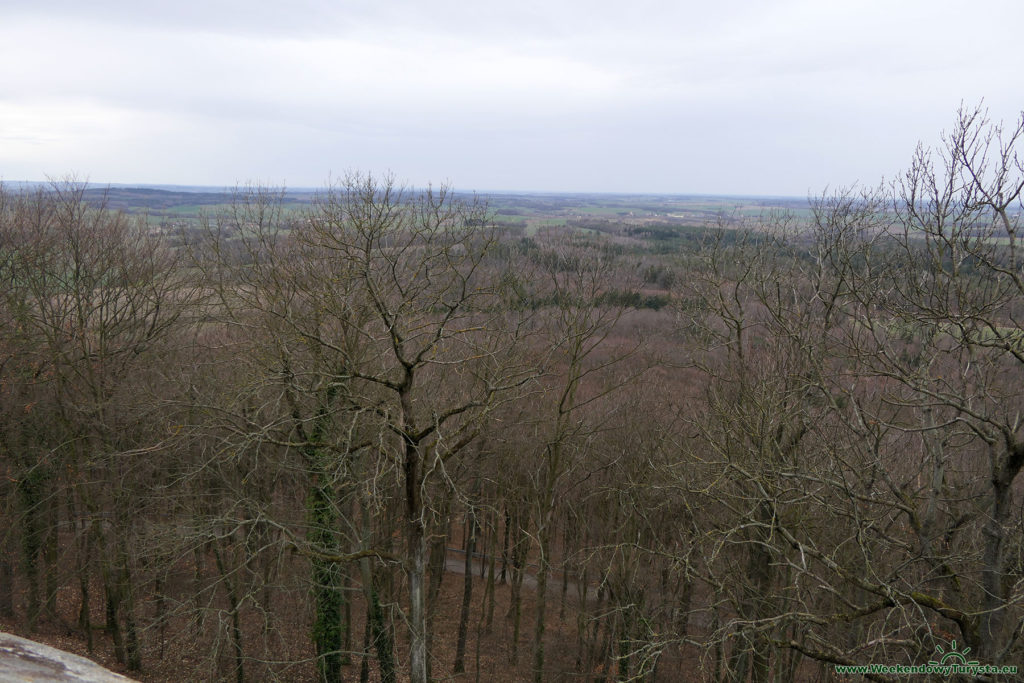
{"points": [[402, 434]]}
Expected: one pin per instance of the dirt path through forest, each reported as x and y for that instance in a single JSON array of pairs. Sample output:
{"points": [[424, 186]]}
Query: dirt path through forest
{"points": [[455, 562]]}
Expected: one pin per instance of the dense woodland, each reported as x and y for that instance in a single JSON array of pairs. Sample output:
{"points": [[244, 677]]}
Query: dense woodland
{"points": [[384, 437]]}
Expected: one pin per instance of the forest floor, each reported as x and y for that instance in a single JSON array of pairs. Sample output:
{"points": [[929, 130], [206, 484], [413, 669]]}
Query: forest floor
{"points": [[489, 652]]}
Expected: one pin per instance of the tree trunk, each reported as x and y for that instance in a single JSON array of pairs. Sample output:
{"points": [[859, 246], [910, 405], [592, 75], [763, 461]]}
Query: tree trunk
{"points": [[113, 624], [364, 660], [231, 589], [346, 620], [625, 655], [327, 591], [581, 619], [417, 606], [467, 595], [125, 592], [416, 557], [83, 560], [990, 633], [378, 631], [50, 561], [489, 590], [31, 542], [757, 590], [593, 640], [543, 568], [133, 650], [6, 588], [504, 546]]}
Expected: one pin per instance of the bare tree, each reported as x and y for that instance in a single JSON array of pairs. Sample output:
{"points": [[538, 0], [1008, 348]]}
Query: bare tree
{"points": [[98, 298], [574, 281], [861, 415], [421, 266], [388, 348], [956, 292]]}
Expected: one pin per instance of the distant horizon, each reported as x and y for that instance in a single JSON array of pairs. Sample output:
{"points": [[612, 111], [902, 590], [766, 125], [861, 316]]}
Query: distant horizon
{"points": [[306, 189], [769, 99]]}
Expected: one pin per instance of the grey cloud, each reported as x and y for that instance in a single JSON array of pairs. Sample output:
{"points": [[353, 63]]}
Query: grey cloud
{"points": [[768, 97]]}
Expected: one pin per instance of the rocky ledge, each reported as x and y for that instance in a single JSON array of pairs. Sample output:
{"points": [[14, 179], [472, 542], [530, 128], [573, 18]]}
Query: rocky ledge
{"points": [[26, 660]]}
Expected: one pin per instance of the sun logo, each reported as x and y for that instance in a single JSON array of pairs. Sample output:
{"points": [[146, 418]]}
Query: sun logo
{"points": [[953, 657]]}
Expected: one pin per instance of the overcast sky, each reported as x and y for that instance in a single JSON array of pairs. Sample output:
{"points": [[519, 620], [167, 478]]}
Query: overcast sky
{"points": [[778, 97]]}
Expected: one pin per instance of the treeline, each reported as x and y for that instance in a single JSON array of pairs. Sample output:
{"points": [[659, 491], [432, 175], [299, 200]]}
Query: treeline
{"points": [[259, 451]]}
